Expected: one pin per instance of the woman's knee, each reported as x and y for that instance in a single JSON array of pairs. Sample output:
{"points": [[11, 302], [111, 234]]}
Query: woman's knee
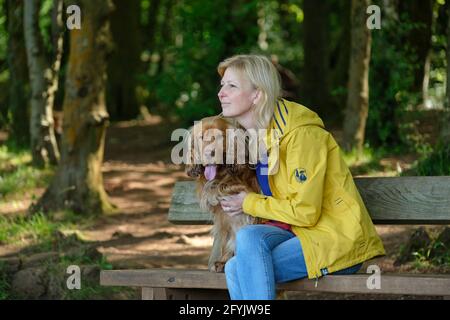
{"points": [[248, 236], [259, 237], [230, 267]]}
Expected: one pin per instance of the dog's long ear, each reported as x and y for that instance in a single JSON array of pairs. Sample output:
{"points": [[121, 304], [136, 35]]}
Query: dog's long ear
{"points": [[193, 168], [194, 171]]}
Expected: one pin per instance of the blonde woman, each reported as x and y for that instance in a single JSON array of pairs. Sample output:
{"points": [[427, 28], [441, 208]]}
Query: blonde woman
{"points": [[315, 222]]}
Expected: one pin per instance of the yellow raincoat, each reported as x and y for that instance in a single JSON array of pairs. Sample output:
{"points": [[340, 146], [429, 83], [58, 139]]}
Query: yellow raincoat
{"points": [[313, 191]]}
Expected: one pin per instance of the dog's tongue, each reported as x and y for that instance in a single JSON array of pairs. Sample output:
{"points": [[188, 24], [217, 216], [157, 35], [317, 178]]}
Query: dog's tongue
{"points": [[210, 172]]}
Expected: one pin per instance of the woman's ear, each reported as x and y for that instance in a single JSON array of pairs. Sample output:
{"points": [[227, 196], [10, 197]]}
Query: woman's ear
{"points": [[256, 96]]}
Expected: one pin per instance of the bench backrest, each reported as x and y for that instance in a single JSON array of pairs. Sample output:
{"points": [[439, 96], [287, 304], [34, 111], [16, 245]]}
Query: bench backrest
{"points": [[389, 200]]}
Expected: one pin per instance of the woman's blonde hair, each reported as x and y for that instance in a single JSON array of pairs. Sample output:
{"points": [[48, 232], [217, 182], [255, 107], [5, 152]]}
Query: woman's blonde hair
{"points": [[263, 76]]}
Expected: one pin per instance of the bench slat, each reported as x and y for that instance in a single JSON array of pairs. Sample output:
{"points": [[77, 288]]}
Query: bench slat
{"points": [[405, 284], [163, 278], [389, 200]]}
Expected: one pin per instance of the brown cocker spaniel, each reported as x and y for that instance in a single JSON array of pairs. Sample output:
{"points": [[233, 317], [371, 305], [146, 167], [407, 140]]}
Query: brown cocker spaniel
{"points": [[218, 176]]}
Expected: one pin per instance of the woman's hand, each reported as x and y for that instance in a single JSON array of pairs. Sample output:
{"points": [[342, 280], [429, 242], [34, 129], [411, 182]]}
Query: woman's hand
{"points": [[232, 205]]}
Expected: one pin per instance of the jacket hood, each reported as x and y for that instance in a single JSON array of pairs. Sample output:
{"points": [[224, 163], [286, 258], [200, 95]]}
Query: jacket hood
{"points": [[290, 115]]}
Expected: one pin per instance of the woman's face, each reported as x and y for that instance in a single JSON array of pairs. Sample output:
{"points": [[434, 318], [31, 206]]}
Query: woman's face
{"points": [[237, 95]]}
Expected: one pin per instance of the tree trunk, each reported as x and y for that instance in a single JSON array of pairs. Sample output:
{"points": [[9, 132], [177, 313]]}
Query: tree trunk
{"points": [[316, 72], [124, 62], [78, 182], [18, 73], [358, 90], [419, 40], [44, 83]]}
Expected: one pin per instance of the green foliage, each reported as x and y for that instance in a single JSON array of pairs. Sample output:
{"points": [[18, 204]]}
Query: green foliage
{"points": [[45, 24], [5, 284], [282, 22], [97, 292], [391, 76], [23, 178], [4, 74], [424, 257], [145, 5], [206, 32], [91, 290], [426, 250], [436, 90], [3, 31], [362, 162], [188, 83], [37, 228], [434, 163], [369, 161], [42, 229], [269, 27], [394, 112], [16, 173], [443, 258]]}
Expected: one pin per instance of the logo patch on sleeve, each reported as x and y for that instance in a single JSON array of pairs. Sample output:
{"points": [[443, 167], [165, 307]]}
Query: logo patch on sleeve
{"points": [[300, 175]]}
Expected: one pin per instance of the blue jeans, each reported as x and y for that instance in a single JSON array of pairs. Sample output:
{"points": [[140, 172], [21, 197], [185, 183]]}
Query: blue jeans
{"points": [[266, 255]]}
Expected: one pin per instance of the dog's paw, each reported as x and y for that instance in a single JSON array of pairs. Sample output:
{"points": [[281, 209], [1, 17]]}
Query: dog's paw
{"points": [[219, 266]]}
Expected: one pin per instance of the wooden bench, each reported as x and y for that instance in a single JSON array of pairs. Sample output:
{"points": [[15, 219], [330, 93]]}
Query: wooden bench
{"points": [[392, 200]]}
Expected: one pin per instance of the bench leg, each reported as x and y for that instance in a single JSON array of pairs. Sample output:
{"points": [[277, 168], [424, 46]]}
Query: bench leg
{"points": [[154, 293]]}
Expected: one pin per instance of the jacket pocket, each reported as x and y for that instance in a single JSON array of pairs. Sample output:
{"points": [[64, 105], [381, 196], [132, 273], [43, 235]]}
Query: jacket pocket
{"points": [[346, 213]]}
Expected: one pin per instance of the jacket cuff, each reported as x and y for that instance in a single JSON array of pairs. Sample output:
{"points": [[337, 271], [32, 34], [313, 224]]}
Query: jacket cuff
{"points": [[249, 203]]}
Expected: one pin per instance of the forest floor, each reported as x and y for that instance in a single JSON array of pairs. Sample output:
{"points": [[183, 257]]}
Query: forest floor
{"points": [[139, 177]]}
